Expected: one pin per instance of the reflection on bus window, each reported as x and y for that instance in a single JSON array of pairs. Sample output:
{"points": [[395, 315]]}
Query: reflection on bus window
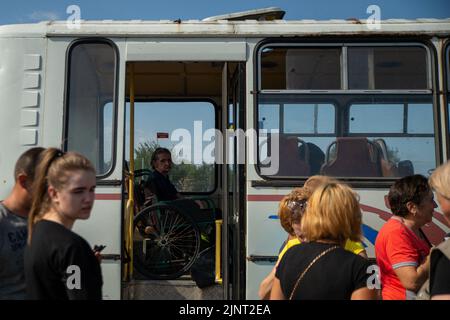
{"points": [[387, 68], [305, 131], [447, 71], [301, 69], [90, 103], [384, 139], [338, 131], [185, 129], [411, 140]]}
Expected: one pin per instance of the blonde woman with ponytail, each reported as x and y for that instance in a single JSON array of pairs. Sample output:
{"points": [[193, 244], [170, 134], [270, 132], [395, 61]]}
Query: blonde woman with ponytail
{"points": [[59, 264]]}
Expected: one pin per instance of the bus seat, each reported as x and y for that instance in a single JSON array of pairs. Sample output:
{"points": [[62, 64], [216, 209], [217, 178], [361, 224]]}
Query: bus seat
{"points": [[291, 164], [388, 168], [316, 157], [355, 157], [405, 168]]}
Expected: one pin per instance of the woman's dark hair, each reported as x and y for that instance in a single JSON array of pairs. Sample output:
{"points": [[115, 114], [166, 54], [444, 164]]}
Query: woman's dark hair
{"points": [[411, 188], [156, 153]]}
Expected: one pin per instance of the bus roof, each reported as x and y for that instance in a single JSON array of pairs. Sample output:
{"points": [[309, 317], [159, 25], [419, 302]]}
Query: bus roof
{"points": [[226, 28]]}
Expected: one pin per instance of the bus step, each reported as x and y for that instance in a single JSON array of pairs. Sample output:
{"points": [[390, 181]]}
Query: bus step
{"points": [[179, 289]]}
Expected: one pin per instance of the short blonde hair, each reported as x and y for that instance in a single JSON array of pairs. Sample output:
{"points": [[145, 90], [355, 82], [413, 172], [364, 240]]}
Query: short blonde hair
{"points": [[291, 210], [440, 180], [332, 213]]}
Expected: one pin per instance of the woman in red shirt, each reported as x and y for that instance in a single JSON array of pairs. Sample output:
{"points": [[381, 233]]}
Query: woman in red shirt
{"points": [[401, 250]]}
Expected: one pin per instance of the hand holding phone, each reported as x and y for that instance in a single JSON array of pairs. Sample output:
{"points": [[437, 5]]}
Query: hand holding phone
{"points": [[99, 248]]}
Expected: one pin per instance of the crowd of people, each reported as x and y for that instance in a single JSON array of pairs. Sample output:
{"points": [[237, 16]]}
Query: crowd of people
{"points": [[322, 258]]}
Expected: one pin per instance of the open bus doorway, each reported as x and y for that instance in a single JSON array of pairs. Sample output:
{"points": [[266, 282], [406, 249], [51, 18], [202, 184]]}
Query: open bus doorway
{"points": [[177, 105]]}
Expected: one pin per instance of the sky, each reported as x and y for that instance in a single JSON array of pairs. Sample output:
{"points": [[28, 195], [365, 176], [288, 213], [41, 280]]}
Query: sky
{"points": [[28, 11]]}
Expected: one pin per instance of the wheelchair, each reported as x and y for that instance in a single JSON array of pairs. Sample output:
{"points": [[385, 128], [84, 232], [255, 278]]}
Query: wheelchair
{"points": [[169, 235]]}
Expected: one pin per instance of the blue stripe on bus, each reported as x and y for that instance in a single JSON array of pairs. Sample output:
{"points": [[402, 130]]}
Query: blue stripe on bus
{"points": [[369, 233], [273, 217]]}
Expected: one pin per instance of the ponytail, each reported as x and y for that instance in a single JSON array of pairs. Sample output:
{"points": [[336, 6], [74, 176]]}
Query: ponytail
{"points": [[40, 186]]}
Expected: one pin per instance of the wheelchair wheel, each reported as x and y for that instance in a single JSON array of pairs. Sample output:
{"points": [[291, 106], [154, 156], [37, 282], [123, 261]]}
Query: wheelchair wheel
{"points": [[166, 242]]}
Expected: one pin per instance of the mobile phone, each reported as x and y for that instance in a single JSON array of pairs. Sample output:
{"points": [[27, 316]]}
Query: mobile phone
{"points": [[99, 248]]}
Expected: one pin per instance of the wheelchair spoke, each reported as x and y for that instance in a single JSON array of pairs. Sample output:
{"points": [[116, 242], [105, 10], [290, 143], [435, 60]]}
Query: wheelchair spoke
{"points": [[172, 242]]}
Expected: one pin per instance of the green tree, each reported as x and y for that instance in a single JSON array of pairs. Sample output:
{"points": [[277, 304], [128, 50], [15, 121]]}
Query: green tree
{"points": [[143, 154]]}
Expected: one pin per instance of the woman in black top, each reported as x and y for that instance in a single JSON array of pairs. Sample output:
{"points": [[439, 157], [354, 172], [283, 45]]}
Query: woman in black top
{"points": [[321, 269], [440, 256], [59, 264]]}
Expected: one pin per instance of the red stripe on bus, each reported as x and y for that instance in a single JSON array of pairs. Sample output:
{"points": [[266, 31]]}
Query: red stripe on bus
{"points": [[264, 197], [381, 213], [433, 232], [108, 196], [440, 217]]}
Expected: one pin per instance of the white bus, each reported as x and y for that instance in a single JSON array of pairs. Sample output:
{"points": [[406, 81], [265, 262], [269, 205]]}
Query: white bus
{"points": [[365, 106]]}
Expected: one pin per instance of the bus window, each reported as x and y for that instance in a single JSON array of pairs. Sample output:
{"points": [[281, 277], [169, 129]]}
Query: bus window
{"points": [[300, 69], [447, 71], [186, 129], [403, 132], [305, 130], [90, 102], [310, 118], [325, 126], [389, 68]]}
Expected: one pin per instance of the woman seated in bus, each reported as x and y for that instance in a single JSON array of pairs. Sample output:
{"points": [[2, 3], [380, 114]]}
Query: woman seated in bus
{"points": [[321, 268], [401, 249], [159, 183], [290, 212]]}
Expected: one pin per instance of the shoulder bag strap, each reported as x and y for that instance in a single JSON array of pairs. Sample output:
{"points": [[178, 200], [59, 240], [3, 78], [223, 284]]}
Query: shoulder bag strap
{"points": [[309, 267]]}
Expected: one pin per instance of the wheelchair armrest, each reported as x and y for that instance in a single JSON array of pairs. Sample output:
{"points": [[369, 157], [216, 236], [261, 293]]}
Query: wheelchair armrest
{"points": [[209, 204]]}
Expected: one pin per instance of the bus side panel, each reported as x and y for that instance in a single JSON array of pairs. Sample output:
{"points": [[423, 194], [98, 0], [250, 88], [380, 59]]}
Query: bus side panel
{"points": [[264, 238], [104, 228], [265, 234], [21, 95]]}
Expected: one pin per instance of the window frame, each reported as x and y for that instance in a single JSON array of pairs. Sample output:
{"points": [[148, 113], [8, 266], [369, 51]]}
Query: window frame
{"points": [[343, 67], [216, 124], [432, 82], [446, 86], [102, 177], [359, 100]]}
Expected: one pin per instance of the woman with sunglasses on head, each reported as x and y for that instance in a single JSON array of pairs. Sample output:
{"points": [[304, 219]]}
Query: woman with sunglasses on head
{"points": [[291, 210], [320, 268], [59, 264]]}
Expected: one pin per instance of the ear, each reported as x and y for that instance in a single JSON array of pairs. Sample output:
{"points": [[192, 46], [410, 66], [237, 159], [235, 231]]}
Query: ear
{"points": [[22, 180], [412, 207], [52, 193]]}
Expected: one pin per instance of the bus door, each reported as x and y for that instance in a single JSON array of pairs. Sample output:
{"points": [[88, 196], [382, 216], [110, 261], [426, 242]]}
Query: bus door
{"points": [[180, 102], [235, 177], [89, 128]]}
